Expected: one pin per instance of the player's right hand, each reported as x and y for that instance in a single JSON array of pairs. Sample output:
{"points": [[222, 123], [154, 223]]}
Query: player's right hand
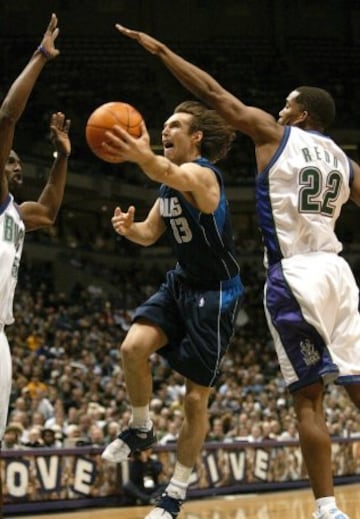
{"points": [[148, 42], [50, 35], [122, 222]]}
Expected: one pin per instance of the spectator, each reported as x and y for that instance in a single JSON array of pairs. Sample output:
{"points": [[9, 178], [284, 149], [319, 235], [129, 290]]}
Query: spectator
{"points": [[12, 436], [50, 437], [144, 483]]}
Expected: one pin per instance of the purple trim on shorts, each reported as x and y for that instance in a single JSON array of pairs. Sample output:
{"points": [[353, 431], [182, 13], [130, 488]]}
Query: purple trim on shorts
{"points": [[303, 344]]}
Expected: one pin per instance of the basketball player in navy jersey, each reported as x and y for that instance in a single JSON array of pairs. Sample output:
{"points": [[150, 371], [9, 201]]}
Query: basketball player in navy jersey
{"points": [[16, 219], [190, 320], [311, 297]]}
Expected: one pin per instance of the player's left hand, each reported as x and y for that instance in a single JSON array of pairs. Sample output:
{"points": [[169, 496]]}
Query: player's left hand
{"points": [[122, 146], [59, 133]]}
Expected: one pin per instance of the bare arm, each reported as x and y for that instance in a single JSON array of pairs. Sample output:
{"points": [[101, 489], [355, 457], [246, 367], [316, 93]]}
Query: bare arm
{"points": [[355, 186], [15, 101], [197, 183], [43, 212], [256, 123], [143, 233]]}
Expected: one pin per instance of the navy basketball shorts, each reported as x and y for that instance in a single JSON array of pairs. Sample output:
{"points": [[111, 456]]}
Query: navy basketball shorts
{"points": [[198, 324]]}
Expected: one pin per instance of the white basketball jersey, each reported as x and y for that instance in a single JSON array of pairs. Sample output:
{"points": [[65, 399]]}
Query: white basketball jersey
{"points": [[300, 194], [12, 232]]}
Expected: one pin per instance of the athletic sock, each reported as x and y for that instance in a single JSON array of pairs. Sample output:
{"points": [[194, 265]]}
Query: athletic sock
{"points": [[179, 482], [325, 502], [140, 418]]}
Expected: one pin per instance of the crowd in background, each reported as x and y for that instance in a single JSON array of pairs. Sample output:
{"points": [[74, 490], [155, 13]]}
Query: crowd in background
{"points": [[68, 384]]}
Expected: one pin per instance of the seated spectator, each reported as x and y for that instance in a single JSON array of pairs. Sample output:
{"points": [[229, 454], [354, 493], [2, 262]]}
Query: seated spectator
{"points": [[172, 433], [97, 438], [34, 439], [144, 479], [111, 430], [35, 386], [12, 436], [51, 438]]}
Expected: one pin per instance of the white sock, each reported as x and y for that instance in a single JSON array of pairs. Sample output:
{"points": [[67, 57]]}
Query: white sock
{"points": [[141, 418], [179, 482], [325, 502]]}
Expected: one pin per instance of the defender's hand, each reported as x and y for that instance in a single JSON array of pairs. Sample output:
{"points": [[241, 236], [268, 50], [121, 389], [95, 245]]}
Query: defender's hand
{"points": [[148, 42], [59, 133], [47, 44]]}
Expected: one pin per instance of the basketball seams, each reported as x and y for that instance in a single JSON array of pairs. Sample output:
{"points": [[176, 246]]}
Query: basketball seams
{"points": [[104, 118]]}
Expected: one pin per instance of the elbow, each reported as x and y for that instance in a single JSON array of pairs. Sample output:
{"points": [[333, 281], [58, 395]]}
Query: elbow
{"points": [[48, 221], [7, 119]]}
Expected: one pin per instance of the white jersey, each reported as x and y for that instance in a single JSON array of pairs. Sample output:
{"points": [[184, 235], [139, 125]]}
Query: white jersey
{"points": [[12, 233], [300, 194]]}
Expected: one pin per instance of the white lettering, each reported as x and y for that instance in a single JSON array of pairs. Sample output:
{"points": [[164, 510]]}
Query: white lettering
{"points": [[17, 479], [237, 464], [49, 473], [261, 468], [83, 478]]}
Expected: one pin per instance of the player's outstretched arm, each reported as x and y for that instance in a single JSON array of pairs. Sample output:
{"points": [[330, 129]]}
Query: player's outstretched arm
{"points": [[252, 121], [189, 177], [15, 101], [43, 212]]}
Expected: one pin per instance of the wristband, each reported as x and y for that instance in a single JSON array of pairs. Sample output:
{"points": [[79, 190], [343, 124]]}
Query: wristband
{"points": [[43, 51], [62, 154]]}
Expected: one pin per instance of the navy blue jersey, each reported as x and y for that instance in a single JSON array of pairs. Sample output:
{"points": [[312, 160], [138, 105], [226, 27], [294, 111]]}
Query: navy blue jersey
{"points": [[203, 243]]}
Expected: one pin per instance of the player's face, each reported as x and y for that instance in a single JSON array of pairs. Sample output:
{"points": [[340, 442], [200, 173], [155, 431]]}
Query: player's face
{"points": [[179, 144], [291, 114], [13, 170]]}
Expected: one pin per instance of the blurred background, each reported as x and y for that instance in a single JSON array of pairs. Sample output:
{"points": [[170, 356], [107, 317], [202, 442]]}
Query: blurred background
{"points": [[258, 49]]}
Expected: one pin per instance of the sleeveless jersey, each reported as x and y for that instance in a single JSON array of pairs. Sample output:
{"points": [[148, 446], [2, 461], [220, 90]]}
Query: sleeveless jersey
{"points": [[203, 243], [12, 233], [300, 194]]}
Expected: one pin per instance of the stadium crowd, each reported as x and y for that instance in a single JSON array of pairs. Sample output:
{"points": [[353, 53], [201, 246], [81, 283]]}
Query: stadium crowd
{"points": [[68, 384]]}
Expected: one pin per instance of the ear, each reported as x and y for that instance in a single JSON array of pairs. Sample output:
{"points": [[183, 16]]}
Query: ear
{"points": [[301, 119], [198, 136], [303, 116]]}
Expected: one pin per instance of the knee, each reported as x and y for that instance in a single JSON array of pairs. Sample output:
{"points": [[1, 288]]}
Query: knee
{"points": [[131, 352], [195, 404]]}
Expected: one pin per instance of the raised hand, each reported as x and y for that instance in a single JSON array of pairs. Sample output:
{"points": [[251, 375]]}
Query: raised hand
{"points": [[59, 133], [47, 45], [148, 42]]}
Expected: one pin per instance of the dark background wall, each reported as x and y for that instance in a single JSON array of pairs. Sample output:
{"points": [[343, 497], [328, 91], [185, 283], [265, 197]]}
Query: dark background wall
{"points": [[258, 49]]}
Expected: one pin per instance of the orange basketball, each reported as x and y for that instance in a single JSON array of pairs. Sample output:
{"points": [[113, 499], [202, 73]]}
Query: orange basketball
{"points": [[104, 118]]}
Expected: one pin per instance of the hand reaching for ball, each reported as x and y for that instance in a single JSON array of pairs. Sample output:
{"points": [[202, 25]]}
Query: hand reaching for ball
{"points": [[121, 146], [103, 119]]}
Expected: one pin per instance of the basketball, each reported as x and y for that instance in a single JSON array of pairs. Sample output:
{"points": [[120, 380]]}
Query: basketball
{"points": [[104, 118]]}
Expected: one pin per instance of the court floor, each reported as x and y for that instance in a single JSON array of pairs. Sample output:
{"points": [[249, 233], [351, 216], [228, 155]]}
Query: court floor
{"points": [[294, 504]]}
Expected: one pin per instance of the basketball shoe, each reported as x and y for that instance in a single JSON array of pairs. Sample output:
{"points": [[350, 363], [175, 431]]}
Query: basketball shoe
{"points": [[128, 441], [166, 508], [329, 513]]}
